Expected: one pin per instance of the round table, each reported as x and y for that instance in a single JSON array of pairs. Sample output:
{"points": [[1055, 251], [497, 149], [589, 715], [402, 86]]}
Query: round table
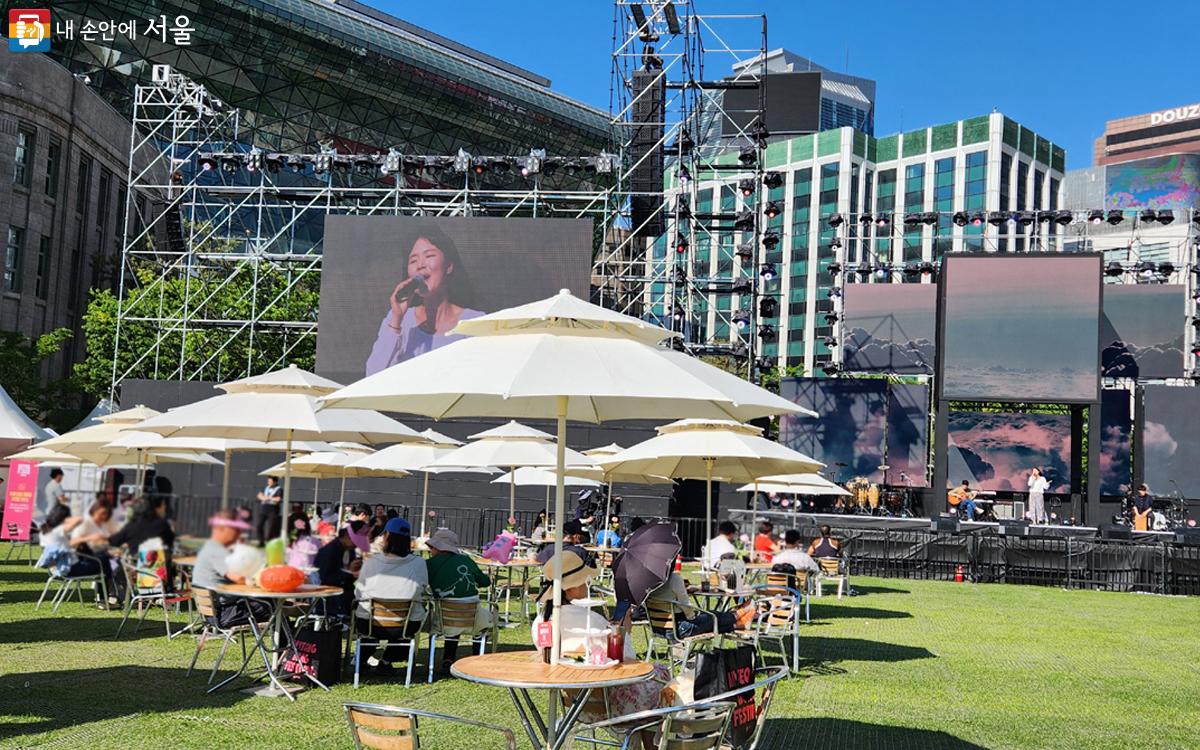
{"points": [[278, 626], [725, 597], [522, 671]]}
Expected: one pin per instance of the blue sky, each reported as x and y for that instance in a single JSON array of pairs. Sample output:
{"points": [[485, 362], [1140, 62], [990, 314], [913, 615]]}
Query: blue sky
{"points": [[1060, 67]]}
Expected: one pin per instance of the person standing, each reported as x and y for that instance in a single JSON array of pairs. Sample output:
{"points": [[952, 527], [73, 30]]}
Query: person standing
{"points": [[268, 510], [1140, 511], [53, 494], [1038, 484]]}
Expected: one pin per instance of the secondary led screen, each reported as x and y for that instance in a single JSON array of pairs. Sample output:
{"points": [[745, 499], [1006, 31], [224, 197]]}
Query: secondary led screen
{"points": [[1171, 181], [1116, 442], [1170, 439], [1142, 331], [890, 328], [848, 435], [997, 451], [1021, 328], [908, 435]]}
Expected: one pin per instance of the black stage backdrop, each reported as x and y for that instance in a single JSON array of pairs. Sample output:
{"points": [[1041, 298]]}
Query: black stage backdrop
{"points": [[1116, 442], [890, 328], [997, 450], [1170, 439], [1142, 330], [1021, 328], [908, 435]]}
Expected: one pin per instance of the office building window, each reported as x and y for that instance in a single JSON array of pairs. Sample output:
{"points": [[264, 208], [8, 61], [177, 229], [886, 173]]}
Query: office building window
{"points": [[975, 199], [885, 203], [42, 285], [76, 265], [12, 259], [102, 204], [943, 203], [23, 158], [827, 206], [83, 187], [53, 165], [1022, 204], [914, 200], [1005, 204]]}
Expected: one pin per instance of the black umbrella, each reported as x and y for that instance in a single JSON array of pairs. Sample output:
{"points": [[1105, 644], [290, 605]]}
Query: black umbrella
{"points": [[645, 562]]}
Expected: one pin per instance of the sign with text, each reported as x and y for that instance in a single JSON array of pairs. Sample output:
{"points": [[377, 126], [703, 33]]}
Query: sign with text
{"points": [[19, 496]]}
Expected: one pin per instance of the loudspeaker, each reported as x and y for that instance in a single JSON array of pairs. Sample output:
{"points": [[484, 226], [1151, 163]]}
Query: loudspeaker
{"points": [[688, 500], [1013, 527], [1115, 531], [943, 524], [649, 88]]}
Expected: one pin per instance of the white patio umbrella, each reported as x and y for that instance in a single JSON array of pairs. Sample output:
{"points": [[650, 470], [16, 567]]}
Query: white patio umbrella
{"points": [[510, 446], [332, 464], [710, 449], [530, 476], [407, 458], [614, 476], [278, 406], [564, 358], [795, 484]]}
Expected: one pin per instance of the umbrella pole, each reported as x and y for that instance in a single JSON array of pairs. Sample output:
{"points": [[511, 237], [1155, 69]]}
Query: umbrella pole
{"points": [[424, 503], [607, 513], [225, 482], [316, 493], [560, 501], [512, 494], [287, 489], [547, 522], [341, 503], [708, 466]]}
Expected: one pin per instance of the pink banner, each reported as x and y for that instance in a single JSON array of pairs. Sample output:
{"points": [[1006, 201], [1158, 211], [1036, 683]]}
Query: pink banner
{"points": [[19, 496]]}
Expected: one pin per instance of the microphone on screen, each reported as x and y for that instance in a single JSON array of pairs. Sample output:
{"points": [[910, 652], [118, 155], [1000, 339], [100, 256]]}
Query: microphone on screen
{"points": [[414, 287]]}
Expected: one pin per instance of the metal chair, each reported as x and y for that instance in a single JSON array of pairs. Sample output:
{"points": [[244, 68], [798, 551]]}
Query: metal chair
{"points": [[380, 727], [209, 608], [146, 596], [700, 726], [778, 620], [832, 569], [386, 614], [458, 617], [801, 582], [662, 628], [68, 582]]}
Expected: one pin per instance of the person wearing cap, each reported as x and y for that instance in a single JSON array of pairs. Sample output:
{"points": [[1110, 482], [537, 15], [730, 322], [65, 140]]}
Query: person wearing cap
{"points": [[453, 575], [573, 538], [393, 573], [576, 574], [212, 570]]}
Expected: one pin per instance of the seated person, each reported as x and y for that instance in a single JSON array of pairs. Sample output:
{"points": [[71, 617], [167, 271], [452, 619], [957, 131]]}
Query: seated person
{"points": [[540, 527], [148, 521], [720, 547], [962, 498], [393, 573], [91, 537], [338, 565], [791, 554], [304, 547], [611, 536], [453, 575], [825, 545], [58, 554], [688, 620], [574, 537], [327, 526], [576, 573], [765, 545], [360, 534], [212, 570]]}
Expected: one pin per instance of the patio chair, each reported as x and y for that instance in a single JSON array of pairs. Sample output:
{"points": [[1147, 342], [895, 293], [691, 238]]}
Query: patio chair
{"points": [[209, 608], [386, 614], [68, 583], [456, 618], [692, 727], [28, 546], [394, 728], [833, 569], [801, 582], [145, 596], [778, 620], [662, 628]]}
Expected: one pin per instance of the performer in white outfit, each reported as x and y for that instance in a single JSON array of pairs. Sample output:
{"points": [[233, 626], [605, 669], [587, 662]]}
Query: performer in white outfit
{"points": [[1037, 496]]}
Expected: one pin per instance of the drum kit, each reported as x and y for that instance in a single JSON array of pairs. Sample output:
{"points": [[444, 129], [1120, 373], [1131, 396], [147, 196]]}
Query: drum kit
{"points": [[870, 498]]}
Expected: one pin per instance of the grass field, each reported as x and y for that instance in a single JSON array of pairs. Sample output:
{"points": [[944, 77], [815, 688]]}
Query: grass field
{"points": [[906, 664]]}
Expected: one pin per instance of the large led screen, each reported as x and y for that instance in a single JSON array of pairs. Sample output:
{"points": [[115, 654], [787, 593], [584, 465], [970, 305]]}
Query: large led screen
{"points": [[393, 287], [908, 435], [1116, 442], [1155, 182], [1141, 333], [1170, 439], [890, 328], [1021, 328], [848, 435], [998, 450]]}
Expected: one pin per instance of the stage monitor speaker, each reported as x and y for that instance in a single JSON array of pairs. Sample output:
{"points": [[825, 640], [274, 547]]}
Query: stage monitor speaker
{"points": [[943, 524], [1116, 532], [1188, 537], [648, 113], [1013, 527]]}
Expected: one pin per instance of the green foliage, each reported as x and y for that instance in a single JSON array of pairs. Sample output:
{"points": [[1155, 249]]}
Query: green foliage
{"points": [[223, 295], [55, 403]]}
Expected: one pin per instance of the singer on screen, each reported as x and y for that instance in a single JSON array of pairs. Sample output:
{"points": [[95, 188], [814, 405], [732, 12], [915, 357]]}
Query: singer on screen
{"points": [[430, 300]]}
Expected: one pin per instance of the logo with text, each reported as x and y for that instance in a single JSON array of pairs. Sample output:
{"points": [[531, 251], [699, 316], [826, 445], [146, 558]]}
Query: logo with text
{"points": [[29, 30]]}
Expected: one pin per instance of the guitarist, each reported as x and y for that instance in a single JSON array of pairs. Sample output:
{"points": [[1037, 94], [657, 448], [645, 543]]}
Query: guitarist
{"points": [[962, 498]]}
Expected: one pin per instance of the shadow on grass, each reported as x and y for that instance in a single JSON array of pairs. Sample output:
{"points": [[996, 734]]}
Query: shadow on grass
{"points": [[68, 626], [834, 612], [820, 656], [864, 590], [69, 698], [22, 574], [823, 733]]}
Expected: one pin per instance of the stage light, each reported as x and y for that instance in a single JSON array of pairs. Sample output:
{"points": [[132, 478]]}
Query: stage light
{"points": [[1166, 269], [883, 273], [748, 156], [1063, 217], [1115, 217], [254, 159], [742, 286], [230, 163], [960, 218], [391, 162], [1025, 218], [295, 163], [1196, 349], [768, 307], [865, 272], [364, 166], [831, 368], [677, 311], [741, 320], [462, 161], [882, 220], [683, 144], [978, 218], [680, 275], [745, 252], [744, 221], [532, 164], [207, 162], [607, 163], [1114, 269], [767, 271], [499, 164], [836, 220], [831, 318], [770, 239], [746, 188], [1044, 217], [930, 218], [773, 209], [760, 134], [1166, 216], [829, 341], [912, 270], [912, 220], [324, 162], [682, 209], [864, 219], [342, 164], [835, 243], [478, 165], [773, 180], [928, 269], [1196, 217], [767, 332], [1148, 216], [274, 162], [996, 218], [835, 293], [740, 351], [834, 268], [1095, 216], [681, 244], [1147, 270]]}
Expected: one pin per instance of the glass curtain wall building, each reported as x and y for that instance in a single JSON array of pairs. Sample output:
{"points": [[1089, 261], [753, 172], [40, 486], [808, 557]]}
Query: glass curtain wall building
{"points": [[978, 165]]}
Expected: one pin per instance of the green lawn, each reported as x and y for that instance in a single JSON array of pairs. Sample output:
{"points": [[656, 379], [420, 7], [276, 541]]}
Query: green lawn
{"points": [[906, 664]]}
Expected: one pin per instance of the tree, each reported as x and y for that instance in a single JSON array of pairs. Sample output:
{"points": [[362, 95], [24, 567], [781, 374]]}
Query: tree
{"points": [[156, 344], [55, 403]]}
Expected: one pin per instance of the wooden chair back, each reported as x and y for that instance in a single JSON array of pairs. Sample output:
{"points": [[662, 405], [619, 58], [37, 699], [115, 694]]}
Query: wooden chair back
{"points": [[378, 730], [457, 614], [204, 603], [661, 616], [390, 613], [830, 566], [696, 729]]}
